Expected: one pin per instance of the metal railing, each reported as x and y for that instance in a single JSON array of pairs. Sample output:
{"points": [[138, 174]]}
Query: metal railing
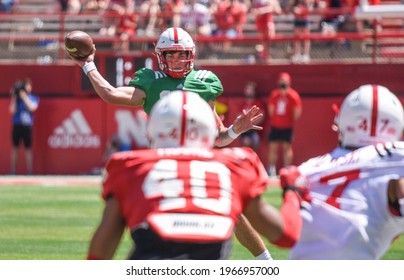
{"points": [[40, 38]]}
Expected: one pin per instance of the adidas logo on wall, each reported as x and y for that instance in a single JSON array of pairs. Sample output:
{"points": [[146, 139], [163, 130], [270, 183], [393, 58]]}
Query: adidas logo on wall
{"points": [[74, 132]]}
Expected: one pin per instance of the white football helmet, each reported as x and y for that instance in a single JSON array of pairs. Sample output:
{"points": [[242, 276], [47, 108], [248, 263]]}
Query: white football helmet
{"points": [[175, 39], [370, 114], [181, 119]]}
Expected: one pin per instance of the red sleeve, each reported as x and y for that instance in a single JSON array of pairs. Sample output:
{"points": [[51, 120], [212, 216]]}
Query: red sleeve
{"points": [[115, 174], [257, 179], [241, 14], [303, 11], [262, 180], [290, 212], [219, 16]]}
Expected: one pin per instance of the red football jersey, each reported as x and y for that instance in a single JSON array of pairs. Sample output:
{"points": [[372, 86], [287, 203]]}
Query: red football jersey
{"points": [[185, 194]]}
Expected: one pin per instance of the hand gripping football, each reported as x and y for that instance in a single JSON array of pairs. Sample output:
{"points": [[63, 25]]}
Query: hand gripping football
{"points": [[79, 44]]}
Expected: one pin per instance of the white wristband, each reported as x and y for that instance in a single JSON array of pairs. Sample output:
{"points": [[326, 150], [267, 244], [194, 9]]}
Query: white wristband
{"points": [[88, 67], [231, 133]]}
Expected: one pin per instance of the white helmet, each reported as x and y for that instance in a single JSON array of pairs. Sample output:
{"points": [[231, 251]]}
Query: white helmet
{"points": [[175, 39], [370, 114], [181, 119]]}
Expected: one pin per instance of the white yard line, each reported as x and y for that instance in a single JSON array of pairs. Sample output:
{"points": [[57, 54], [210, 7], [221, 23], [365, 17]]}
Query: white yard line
{"points": [[57, 180]]}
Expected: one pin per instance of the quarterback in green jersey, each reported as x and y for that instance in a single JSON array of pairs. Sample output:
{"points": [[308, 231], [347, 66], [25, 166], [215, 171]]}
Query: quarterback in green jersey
{"points": [[157, 83], [175, 51]]}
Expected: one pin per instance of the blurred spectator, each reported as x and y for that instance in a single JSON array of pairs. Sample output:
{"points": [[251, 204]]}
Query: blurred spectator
{"points": [[251, 138], [213, 6], [114, 144], [286, 5], [7, 5], [94, 5], [125, 30], [301, 11], [72, 6], [22, 106], [230, 17], [284, 109], [114, 9], [334, 16], [63, 5], [172, 13], [263, 11], [195, 18], [362, 25], [149, 19]]}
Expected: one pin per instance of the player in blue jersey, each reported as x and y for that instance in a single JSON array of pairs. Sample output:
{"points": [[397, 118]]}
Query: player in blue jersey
{"points": [[22, 107]]}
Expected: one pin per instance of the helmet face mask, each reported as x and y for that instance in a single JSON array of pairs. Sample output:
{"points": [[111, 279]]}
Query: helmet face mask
{"points": [[181, 119], [369, 115], [175, 39]]}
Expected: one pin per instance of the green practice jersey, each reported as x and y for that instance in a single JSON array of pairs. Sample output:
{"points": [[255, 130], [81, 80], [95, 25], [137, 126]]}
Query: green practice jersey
{"points": [[156, 84]]}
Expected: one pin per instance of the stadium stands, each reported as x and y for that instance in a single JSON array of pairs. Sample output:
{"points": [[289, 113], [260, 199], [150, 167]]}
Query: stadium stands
{"points": [[35, 31]]}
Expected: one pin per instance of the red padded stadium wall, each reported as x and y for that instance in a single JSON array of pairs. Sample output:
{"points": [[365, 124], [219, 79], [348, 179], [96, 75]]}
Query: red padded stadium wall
{"points": [[71, 128], [70, 134], [54, 80], [60, 79], [315, 79]]}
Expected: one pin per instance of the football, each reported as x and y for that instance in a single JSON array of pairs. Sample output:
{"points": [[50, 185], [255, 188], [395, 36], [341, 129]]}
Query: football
{"points": [[78, 44]]}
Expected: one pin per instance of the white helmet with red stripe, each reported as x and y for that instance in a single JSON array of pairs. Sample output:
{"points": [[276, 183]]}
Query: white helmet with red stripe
{"points": [[175, 39], [181, 119], [370, 114]]}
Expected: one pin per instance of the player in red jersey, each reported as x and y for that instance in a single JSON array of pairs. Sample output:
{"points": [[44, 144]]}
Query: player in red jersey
{"points": [[181, 199], [175, 52]]}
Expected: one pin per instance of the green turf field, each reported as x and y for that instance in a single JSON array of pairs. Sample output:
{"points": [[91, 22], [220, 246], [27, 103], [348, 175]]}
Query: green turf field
{"points": [[56, 223]]}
